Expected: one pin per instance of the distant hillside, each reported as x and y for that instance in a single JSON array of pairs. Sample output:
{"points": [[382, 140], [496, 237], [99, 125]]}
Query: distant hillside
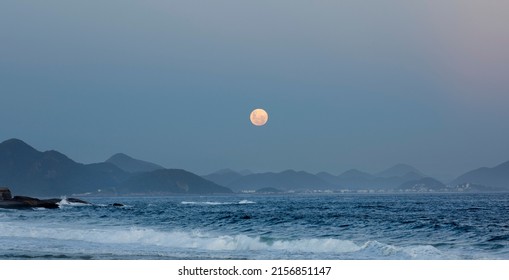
{"points": [[354, 179], [245, 172], [223, 177], [286, 180], [329, 178], [423, 185], [170, 181], [30, 172], [391, 182], [132, 165], [497, 177], [468, 187], [399, 170], [27, 171]]}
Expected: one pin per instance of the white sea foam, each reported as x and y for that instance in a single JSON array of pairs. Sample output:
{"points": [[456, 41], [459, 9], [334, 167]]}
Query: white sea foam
{"points": [[205, 203], [381, 250], [65, 202], [216, 202], [246, 202], [196, 240]]}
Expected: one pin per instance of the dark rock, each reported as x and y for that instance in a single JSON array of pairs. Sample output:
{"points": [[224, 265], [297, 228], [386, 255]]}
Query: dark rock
{"points": [[27, 200], [117, 204], [10, 204], [77, 200], [47, 204], [35, 202], [53, 200], [5, 194], [24, 202]]}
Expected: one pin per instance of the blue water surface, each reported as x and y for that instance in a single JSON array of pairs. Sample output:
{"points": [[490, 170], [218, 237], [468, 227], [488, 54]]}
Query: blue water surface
{"points": [[333, 226]]}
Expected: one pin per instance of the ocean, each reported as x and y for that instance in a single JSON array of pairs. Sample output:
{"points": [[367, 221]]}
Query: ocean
{"points": [[307, 226]]}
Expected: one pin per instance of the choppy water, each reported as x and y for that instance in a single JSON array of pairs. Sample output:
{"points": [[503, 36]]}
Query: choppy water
{"points": [[408, 226]]}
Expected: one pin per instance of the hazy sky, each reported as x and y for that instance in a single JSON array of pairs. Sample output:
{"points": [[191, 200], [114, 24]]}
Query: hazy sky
{"points": [[347, 84]]}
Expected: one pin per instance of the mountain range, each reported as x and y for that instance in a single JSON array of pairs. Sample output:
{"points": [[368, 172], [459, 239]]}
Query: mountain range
{"points": [[495, 177], [356, 179], [401, 177], [300, 180], [132, 165], [288, 180], [28, 171]]}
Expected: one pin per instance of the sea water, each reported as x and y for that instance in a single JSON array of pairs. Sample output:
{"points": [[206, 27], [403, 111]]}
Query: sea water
{"points": [[335, 226]]}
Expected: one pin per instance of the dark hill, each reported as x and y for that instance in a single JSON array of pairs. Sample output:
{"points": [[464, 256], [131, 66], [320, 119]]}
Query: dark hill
{"points": [[223, 177], [392, 182], [497, 176], [354, 179], [31, 172], [329, 178], [399, 170], [170, 181], [423, 184], [132, 165]]}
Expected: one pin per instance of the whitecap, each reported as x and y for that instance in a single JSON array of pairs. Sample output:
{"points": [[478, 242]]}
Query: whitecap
{"points": [[204, 241], [216, 202], [378, 250], [246, 202], [205, 203], [65, 202]]}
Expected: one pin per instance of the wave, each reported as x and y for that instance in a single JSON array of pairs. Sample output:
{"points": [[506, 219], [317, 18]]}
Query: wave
{"points": [[246, 202], [65, 202], [198, 241], [205, 203], [216, 202], [39, 209]]}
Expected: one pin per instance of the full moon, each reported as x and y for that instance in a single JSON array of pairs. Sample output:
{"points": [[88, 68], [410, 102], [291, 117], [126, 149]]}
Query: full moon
{"points": [[259, 117]]}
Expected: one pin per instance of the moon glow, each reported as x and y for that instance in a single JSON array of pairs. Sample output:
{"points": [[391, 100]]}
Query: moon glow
{"points": [[259, 117]]}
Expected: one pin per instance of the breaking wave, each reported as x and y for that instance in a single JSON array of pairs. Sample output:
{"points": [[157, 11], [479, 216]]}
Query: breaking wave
{"points": [[246, 202], [66, 202], [196, 240], [216, 203]]}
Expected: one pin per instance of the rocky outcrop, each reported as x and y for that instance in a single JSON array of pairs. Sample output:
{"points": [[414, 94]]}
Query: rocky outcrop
{"points": [[5, 194], [24, 202]]}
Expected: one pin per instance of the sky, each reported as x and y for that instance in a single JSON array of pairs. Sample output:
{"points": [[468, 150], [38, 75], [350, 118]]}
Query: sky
{"points": [[347, 84]]}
